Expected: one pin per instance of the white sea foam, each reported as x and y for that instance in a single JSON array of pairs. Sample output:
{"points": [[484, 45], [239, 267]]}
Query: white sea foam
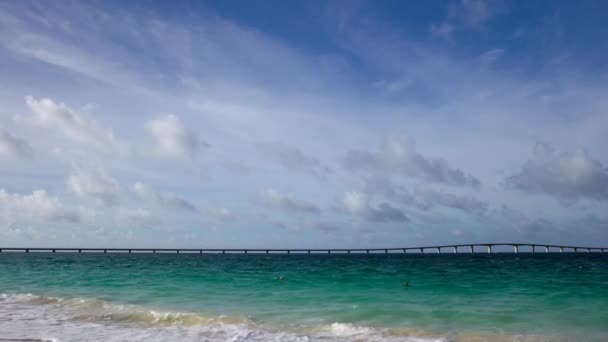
{"points": [[54, 319]]}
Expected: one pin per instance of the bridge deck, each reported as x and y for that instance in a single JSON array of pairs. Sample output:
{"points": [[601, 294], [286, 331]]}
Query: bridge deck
{"points": [[437, 249]]}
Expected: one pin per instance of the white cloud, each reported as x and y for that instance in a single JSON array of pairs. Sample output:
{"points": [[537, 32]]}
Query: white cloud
{"points": [[73, 124], [474, 12], [12, 146], [274, 199], [443, 30], [567, 175], [294, 160], [174, 140], [96, 185], [37, 207], [222, 214], [146, 193], [398, 156], [357, 203], [464, 203]]}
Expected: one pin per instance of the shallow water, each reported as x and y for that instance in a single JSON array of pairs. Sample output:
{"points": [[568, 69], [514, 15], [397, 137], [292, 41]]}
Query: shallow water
{"points": [[120, 297]]}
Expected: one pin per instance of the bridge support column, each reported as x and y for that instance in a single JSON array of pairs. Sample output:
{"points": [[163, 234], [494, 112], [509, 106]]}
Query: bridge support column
{"points": [[533, 249], [546, 249], [438, 250], [515, 249], [455, 250], [471, 248], [421, 250], [561, 249], [489, 249]]}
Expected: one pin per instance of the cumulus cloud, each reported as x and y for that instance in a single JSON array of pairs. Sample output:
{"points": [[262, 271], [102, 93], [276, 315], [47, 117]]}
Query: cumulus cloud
{"points": [[12, 146], [96, 185], [274, 199], [294, 160], [74, 125], [147, 194], [174, 140], [357, 203], [567, 176], [463, 203], [37, 207], [398, 156]]}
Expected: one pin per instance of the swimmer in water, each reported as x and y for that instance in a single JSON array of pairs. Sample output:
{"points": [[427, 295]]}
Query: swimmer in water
{"points": [[281, 278], [406, 283]]}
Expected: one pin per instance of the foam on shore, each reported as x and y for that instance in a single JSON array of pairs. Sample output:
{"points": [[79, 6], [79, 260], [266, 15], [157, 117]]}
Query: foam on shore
{"points": [[27, 317]]}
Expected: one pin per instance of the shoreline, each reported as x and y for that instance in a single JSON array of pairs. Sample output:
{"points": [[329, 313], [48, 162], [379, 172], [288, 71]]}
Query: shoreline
{"points": [[100, 315]]}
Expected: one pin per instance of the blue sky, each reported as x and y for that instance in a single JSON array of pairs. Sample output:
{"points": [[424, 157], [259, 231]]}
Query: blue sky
{"points": [[302, 124]]}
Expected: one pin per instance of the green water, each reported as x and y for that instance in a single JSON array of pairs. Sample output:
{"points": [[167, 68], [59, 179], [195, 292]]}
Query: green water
{"points": [[563, 295]]}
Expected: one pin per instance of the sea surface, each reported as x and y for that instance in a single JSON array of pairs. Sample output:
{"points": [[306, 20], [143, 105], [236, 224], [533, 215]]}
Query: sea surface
{"points": [[168, 297]]}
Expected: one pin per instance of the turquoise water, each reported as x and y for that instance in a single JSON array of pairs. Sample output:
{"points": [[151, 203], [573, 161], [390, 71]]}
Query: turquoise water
{"points": [[449, 297]]}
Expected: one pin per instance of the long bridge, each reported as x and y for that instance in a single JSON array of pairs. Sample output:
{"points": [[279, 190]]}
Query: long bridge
{"points": [[455, 249]]}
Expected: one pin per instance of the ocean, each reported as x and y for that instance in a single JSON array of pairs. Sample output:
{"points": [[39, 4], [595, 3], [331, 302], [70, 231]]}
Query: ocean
{"points": [[191, 297]]}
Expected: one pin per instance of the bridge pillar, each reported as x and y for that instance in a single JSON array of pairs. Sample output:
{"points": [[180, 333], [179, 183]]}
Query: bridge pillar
{"points": [[367, 251], [421, 250], [546, 249], [438, 250], [404, 251], [533, 249], [455, 249], [471, 248], [561, 249], [489, 249], [515, 249], [386, 251]]}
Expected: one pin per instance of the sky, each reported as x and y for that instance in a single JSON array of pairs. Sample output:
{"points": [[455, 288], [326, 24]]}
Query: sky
{"points": [[303, 124]]}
